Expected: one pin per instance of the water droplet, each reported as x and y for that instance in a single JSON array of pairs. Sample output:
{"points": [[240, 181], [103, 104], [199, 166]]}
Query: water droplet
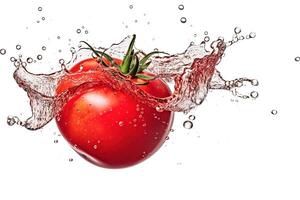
{"points": [[251, 35], [61, 61], [2, 51], [192, 117], [274, 112], [11, 120], [13, 59], [181, 7], [254, 82], [206, 38], [40, 8], [237, 30], [188, 124], [39, 57], [130, 6], [29, 60], [72, 49], [297, 59], [254, 94], [17, 63], [55, 141], [78, 31], [95, 146], [18, 47], [121, 123], [159, 109], [183, 20]]}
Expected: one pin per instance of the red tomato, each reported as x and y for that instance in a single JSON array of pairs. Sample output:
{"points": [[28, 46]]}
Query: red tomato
{"points": [[110, 128]]}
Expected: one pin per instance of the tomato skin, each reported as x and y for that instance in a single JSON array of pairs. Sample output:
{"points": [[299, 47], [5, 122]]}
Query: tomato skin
{"points": [[110, 128]]}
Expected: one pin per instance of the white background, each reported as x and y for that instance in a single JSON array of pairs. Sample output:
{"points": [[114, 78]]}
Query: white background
{"points": [[236, 150]]}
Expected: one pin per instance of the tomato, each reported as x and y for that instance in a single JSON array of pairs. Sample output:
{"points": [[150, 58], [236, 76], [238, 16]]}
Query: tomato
{"points": [[110, 128]]}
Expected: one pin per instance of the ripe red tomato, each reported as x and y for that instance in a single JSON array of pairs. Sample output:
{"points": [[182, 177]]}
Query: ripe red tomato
{"points": [[110, 128]]}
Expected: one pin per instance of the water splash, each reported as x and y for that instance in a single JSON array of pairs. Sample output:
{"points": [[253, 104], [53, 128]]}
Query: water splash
{"points": [[193, 73]]}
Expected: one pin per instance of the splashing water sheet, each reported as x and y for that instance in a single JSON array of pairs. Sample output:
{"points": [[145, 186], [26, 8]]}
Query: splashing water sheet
{"points": [[193, 74]]}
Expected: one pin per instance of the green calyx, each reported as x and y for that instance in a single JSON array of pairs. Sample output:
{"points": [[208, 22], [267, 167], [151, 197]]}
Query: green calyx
{"points": [[131, 64]]}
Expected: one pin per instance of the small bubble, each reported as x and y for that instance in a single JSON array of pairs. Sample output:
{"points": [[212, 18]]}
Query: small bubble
{"points": [[95, 146], [37, 21], [159, 109], [195, 35], [18, 47], [13, 59], [44, 48], [205, 33], [181, 7], [254, 94], [71, 159], [2, 51], [183, 20], [58, 37], [130, 6], [61, 61], [17, 63], [297, 59], [39, 57], [206, 38], [78, 31], [172, 130], [241, 37], [252, 35], [135, 21], [155, 49], [167, 138], [11, 120], [29, 60], [274, 112], [43, 18], [192, 117], [86, 32], [55, 141], [254, 82], [121, 123], [188, 124], [237, 30], [59, 50], [40, 8], [72, 49]]}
